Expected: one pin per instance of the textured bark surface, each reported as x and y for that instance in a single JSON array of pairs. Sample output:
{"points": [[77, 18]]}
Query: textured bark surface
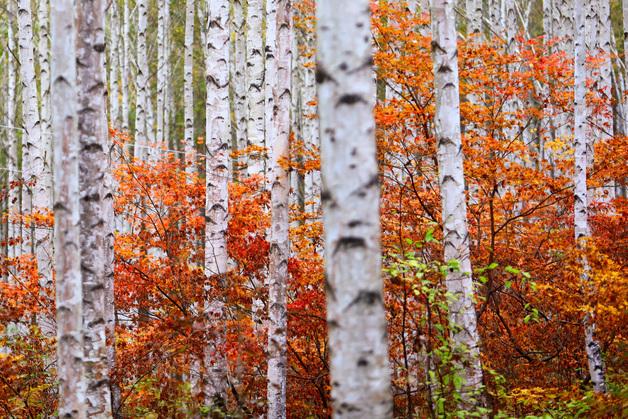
{"points": [[141, 82], [126, 26], [43, 56], [255, 85], [582, 138], [69, 295], [474, 17], [218, 135], [93, 134], [114, 65], [280, 188], [162, 69], [238, 75], [188, 87], [13, 202], [465, 337], [360, 375]]}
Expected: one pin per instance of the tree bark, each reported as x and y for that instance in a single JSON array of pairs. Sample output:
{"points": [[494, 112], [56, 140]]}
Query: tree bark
{"points": [[280, 188], [188, 88], [582, 138], [125, 65], [162, 69], [218, 136], [70, 373], [114, 65], [93, 134], [360, 374], [141, 81], [238, 75], [255, 87], [13, 203], [459, 282]]}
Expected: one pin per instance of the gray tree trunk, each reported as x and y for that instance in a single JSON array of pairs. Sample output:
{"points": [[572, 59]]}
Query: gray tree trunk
{"points": [[255, 86], [141, 82], [93, 134], [360, 374], [70, 372]]}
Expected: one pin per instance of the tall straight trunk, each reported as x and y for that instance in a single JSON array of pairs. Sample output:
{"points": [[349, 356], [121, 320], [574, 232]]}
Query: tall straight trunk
{"points": [[124, 84], [238, 75], [602, 29], [218, 136], [162, 68], [35, 150], [114, 65], [280, 188], [582, 137], [43, 57], [459, 282], [168, 99], [270, 76], [93, 134], [13, 199], [360, 374], [563, 29], [69, 288], [141, 81], [255, 87], [188, 87]]}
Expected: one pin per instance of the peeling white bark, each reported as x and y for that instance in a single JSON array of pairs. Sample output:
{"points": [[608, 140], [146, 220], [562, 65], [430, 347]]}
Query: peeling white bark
{"points": [[582, 137], [360, 374], [255, 86], [459, 282], [93, 160], [218, 137], [69, 294]]}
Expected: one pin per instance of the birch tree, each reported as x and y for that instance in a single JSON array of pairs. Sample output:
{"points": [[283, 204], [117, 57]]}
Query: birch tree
{"points": [[162, 68], [218, 134], [360, 375], [474, 17], [279, 192], [125, 64], [92, 129], [255, 86], [188, 87], [238, 74], [114, 64], [141, 81], [582, 136], [69, 288], [43, 55], [13, 201], [35, 150], [459, 282]]}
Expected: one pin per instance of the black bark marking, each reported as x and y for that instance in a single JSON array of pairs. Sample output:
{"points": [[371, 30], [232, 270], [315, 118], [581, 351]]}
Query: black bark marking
{"points": [[347, 243], [362, 362], [350, 99], [322, 75], [368, 298]]}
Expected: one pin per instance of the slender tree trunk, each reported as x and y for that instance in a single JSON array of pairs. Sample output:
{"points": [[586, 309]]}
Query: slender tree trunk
{"points": [[162, 69], [168, 102], [360, 374], [188, 87], [474, 17], [125, 65], [255, 87], [582, 136], [69, 288], [141, 81], [218, 135], [114, 65], [464, 333], [13, 203], [43, 51], [238, 75], [280, 188], [94, 235]]}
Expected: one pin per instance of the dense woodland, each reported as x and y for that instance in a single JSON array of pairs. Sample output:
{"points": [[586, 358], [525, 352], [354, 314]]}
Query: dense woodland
{"points": [[306, 209]]}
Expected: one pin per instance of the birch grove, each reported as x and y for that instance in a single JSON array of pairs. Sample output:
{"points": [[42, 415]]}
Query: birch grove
{"points": [[312, 208]]}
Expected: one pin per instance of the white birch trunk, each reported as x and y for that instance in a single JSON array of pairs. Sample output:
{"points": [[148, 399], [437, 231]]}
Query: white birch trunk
{"points": [[462, 316], [188, 88], [43, 55], [114, 65], [69, 288], [238, 76], [35, 152], [93, 162], [360, 374], [255, 86], [124, 84], [218, 137], [474, 17], [582, 136], [162, 68], [13, 203], [141, 81], [280, 188]]}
